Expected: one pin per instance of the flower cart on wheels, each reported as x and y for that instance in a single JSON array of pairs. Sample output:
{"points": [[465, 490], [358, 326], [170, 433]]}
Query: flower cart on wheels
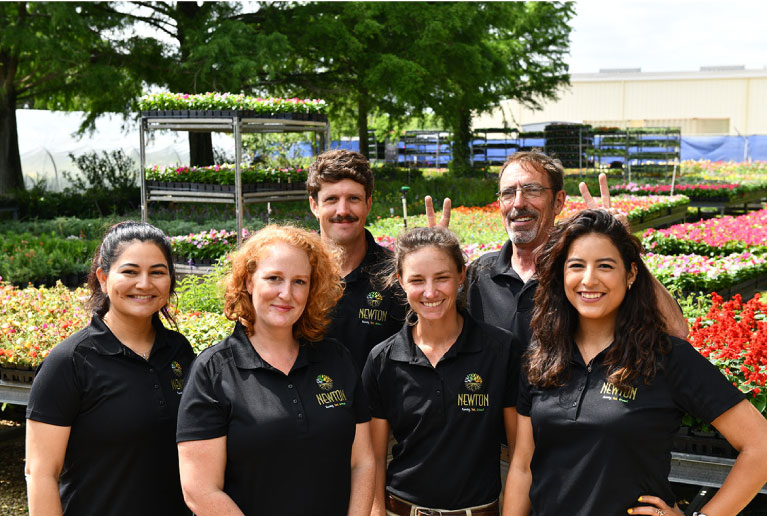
{"points": [[237, 114]]}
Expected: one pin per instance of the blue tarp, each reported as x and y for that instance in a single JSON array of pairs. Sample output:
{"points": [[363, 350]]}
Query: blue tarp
{"points": [[725, 148]]}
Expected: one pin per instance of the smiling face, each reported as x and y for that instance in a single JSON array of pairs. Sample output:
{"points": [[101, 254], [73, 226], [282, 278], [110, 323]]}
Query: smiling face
{"points": [[431, 281], [279, 287], [595, 277], [528, 221], [342, 209], [138, 282]]}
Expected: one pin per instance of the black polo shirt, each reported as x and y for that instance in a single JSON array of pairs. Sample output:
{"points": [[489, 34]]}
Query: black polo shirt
{"points": [[121, 456], [498, 296], [597, 448], [288, 437], [447, 420], [367, 314]]}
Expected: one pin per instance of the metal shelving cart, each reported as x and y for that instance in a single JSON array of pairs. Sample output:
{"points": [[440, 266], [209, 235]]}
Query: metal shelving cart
{"points": [[238, 123], [425, 148], [494, 150]]}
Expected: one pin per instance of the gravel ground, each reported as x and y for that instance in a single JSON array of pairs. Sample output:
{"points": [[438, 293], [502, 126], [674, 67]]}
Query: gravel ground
{"points": [[13, 490]]}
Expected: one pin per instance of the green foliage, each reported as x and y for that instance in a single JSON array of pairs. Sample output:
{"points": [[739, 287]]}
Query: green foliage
{"points": [[44, 259], [281, 150], [110, 171], [203, 329], [63, 55], [204, 293]]}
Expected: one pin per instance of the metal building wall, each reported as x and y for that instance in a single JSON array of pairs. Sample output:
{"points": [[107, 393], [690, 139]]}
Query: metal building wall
{"points": [[728, 102]]}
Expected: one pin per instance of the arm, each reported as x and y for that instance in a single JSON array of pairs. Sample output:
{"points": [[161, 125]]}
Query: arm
{"points": [[746, 430], [363, 472], [676, 324], [516, 496], [46, 447], [202, 465], [510, 425], [431, 218], [379, 431]]}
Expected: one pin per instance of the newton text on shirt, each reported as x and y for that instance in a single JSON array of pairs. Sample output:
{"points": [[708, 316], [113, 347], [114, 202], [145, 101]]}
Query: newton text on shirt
{"points": [[612, 392]]}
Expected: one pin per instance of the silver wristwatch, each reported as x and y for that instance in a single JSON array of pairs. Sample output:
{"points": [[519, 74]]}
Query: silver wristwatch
{"points": [[696, 513]]}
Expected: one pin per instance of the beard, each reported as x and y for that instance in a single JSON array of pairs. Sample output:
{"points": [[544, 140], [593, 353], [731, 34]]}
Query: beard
{"points": [[525, 236]]}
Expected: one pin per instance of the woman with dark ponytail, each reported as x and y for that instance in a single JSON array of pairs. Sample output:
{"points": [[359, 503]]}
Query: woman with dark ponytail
{"points": [[101, 417], [605, 387]]}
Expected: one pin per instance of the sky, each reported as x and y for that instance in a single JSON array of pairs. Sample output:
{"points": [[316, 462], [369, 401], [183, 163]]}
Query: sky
{"points": [[668, 35]]}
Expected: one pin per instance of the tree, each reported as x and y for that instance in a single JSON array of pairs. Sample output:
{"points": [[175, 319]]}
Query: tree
{"points": [[411, 58], [210, 46], [59, 56], [482, 53], [352, 54]]}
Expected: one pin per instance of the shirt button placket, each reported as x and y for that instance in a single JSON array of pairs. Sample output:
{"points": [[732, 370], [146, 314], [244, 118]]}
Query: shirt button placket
{"points": [[158, 393], [298, 407]]}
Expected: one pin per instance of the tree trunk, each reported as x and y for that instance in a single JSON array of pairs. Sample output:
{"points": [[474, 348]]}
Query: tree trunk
{"points": [[189, 20], [200, 149], [11, 177], [362, 124], [461, 163]]}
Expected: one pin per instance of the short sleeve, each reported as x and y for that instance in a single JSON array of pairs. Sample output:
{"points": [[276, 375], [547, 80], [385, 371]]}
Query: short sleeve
{"points": [[56, 393], [698, 387], [361, 404], [524, 394], [372, 387], [202, 413], [511, 392]]}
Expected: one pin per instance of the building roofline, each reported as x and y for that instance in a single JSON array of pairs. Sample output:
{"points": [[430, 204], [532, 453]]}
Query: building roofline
{"points": [[664, 76]]}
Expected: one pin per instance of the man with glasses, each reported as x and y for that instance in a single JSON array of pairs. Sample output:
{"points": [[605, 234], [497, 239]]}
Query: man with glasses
{"points": [[502, 284]]}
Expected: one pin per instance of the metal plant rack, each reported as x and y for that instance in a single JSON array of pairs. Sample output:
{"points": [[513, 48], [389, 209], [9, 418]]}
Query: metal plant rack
{"points": [[238, 123]]}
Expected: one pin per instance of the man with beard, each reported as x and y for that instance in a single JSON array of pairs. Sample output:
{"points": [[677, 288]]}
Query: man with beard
{"points": [[530, 195], [340, 186]]}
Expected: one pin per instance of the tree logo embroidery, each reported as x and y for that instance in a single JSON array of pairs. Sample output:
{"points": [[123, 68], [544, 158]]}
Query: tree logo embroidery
{"points": [[374, 298], [325, 382], [473, 382]]}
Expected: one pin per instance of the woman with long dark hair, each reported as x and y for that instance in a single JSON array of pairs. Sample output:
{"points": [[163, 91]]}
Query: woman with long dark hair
{"points": [[605, 387], [446, 387], [101, 417]]}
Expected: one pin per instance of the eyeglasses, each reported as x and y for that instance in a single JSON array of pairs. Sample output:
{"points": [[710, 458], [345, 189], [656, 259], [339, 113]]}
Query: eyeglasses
{"points": [[528, 192]]}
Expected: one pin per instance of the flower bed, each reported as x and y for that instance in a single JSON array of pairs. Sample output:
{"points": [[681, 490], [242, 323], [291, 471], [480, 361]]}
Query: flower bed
{"points": [[712, 237], [727, 192], [733, 336], [207, 245], [34, 320], [230, 101], [729, 171], [483, 225], [224, 175], [690, 272]]}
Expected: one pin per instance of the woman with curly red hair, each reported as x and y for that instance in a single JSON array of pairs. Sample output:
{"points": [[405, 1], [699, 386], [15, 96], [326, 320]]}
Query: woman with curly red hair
{"points": [[273, 419]]}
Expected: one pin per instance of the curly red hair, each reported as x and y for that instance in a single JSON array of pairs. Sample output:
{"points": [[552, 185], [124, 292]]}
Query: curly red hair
{"points": [[325, 285]]}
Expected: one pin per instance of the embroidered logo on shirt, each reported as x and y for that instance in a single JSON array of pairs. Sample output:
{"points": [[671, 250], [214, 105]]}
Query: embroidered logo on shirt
{"points": [[176, 367], [374, 299], [611, 392], [473, 402], [373, 316], [325, 382], [473, 382], [329, 399]]}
